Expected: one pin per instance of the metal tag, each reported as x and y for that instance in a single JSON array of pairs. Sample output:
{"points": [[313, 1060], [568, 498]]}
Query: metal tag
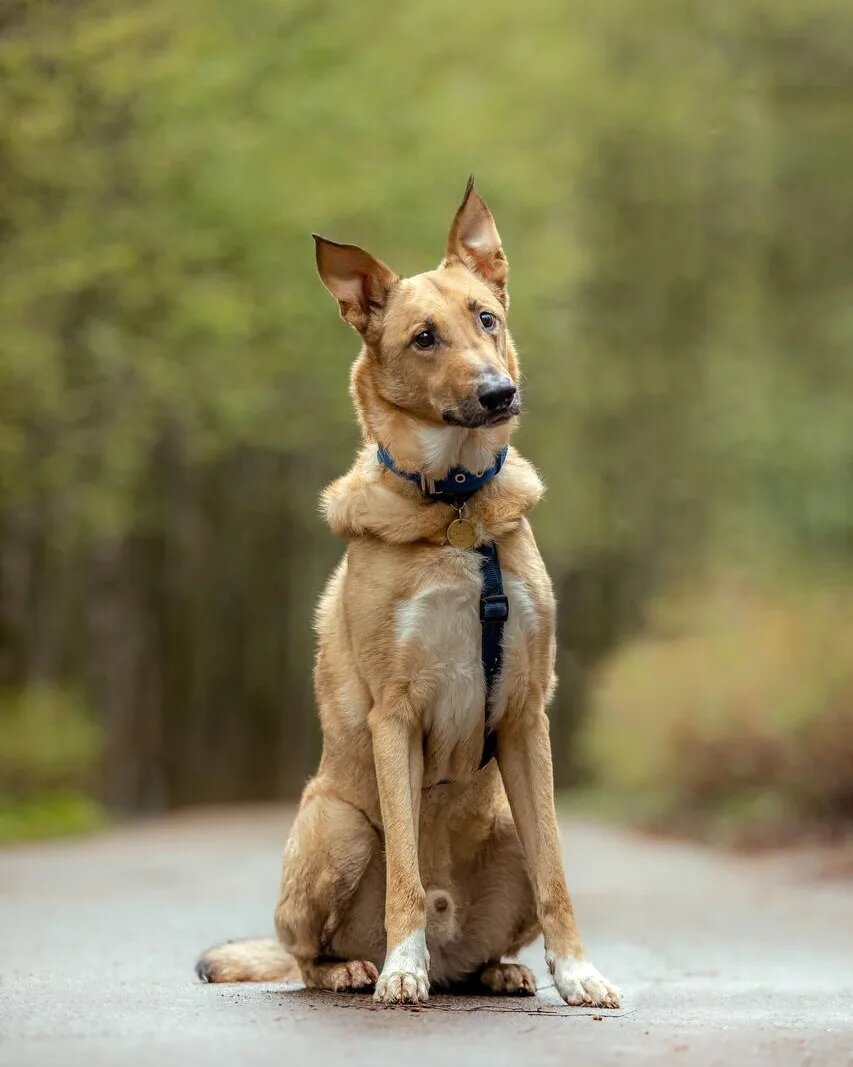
{"points": [[461, 534]]}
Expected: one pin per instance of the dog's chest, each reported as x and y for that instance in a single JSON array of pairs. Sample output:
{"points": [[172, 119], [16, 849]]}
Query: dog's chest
{"points": [[443, 621]]}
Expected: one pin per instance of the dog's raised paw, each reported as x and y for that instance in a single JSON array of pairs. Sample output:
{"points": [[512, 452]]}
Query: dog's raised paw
{"points": [[509, 979], [582, 985], [402, 987]]}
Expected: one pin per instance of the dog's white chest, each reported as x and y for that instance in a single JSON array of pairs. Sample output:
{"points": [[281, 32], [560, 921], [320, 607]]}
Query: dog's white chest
{"points": [[443, 621]]}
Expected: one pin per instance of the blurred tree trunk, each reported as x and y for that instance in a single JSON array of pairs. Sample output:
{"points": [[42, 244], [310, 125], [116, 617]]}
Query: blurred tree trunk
{"points": [[201, 643], [600, 605]]}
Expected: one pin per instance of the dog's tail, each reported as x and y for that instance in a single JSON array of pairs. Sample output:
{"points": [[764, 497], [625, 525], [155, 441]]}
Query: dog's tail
{"points": [[262, 960]]}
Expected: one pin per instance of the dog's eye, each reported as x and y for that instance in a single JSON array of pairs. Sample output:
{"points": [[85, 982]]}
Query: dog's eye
{"points": [[424, 340], [488, 320]]}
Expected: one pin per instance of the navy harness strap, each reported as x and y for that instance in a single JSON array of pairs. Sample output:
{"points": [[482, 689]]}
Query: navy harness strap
{"points": [[494, 612]]}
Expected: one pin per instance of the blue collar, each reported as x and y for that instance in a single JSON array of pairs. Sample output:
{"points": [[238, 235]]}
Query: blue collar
{"points": [[456, 488]]}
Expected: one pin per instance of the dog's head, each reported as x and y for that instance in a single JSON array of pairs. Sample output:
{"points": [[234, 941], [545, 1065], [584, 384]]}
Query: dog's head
{"points": [[437, 351]]}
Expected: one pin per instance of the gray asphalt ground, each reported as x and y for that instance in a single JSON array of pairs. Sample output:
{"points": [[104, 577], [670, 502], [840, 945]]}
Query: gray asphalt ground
{"points": [[724, 960]]}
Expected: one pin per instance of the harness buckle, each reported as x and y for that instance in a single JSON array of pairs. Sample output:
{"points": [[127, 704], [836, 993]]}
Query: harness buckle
{"points": [[494, 608]]}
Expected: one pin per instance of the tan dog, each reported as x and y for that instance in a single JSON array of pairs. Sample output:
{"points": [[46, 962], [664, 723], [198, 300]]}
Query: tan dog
{"points": [[406, 867]]}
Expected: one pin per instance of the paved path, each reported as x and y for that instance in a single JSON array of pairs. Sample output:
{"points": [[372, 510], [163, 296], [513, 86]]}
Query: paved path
{"points": [[724, 960]]}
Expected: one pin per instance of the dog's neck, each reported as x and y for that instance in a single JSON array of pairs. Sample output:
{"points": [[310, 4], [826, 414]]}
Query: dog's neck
{"points": [[432, 450], [370, 499]]}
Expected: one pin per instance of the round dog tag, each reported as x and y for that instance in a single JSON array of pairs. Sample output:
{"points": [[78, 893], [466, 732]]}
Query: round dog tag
{"points": [[461, 534]]}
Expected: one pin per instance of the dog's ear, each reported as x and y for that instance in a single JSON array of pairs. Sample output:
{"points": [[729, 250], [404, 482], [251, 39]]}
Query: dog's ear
{"points": [[358, 282], [474, 239]]}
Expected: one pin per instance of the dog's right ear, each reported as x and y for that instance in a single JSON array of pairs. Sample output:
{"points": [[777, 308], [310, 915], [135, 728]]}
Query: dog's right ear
{"points": [[359, 282]]}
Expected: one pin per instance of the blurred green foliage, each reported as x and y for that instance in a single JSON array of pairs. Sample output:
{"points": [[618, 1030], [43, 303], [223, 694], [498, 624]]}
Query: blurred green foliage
{"points": [[673, 186], [49, 815], [50, 753], [47, 736], [733, 715]]}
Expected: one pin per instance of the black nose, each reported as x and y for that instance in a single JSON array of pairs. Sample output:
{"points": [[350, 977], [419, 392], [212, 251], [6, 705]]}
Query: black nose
{"points": [[497, 397]]}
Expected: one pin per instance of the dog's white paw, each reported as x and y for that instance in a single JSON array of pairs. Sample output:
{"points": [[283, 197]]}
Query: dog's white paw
{"points": [[581, 984], [402, 987], [405, 978]]}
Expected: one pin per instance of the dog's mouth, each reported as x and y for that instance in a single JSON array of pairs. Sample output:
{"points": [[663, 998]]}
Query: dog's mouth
{"points": [[478, 420]]}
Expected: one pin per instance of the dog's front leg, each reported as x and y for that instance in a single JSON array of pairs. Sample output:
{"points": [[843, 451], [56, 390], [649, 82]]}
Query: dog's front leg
{"points": [[524, 757], [398, 755]]}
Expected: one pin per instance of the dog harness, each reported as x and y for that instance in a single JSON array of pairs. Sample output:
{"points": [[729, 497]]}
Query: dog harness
{"points": [[456, 489]]}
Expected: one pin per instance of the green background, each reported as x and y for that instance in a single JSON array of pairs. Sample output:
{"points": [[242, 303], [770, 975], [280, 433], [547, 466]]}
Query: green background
{"points": [[673, 182]]}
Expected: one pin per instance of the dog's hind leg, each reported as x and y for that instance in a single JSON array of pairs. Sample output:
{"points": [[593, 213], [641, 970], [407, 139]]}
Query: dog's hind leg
{"points": [[340, 976], [508, 979], [496, 918], [328, 852], [330, 848]]}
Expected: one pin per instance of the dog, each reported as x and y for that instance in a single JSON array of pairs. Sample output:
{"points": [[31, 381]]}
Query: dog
{"points": [[426, 848]]}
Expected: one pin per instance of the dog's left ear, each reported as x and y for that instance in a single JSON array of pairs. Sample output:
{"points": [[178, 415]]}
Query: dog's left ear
{"points": [[474, 239]]}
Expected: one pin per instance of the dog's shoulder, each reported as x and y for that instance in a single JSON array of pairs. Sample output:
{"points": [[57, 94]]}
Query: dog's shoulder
{"points": [[363, 502], [506, 500]]}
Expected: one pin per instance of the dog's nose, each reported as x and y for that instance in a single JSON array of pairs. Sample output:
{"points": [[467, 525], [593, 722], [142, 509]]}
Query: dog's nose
{"points": [[497, 397]]}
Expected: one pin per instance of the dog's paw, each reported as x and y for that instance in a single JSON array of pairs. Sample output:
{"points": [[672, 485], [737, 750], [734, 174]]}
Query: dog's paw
{"points": [[351, 977], [405, 977], [509, 979], [581, 984], [402, 987]]}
